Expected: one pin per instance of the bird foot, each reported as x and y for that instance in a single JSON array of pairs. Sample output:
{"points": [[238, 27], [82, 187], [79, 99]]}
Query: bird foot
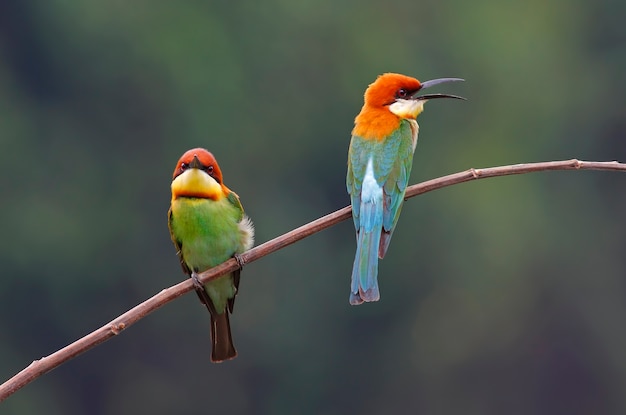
{"points": [[196, 281], [240, 260]]}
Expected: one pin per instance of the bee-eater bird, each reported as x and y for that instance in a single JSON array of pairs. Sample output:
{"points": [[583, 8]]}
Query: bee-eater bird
{"points": [[208, 226], [379, 165]]}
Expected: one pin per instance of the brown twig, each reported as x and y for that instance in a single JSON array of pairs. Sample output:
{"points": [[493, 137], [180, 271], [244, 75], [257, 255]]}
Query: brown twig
{"points": [[46, 364]]}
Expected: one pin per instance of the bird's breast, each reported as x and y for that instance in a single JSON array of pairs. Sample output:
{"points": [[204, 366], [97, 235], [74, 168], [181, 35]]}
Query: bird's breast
{"points": [[209, 230]]}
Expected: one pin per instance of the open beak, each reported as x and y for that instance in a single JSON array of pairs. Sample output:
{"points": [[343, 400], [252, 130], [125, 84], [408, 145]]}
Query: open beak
{"points": [[195, 163], [432, 82]]}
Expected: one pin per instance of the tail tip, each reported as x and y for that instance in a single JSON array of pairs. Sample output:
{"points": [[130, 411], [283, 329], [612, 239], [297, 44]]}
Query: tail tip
{"points": [[361, 296], [355, 299], [219, 358]]}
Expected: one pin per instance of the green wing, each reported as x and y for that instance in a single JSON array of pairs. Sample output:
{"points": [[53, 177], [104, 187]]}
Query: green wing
{"points": [[233, 199], [397, 178], [358, 154], [177, 243]]}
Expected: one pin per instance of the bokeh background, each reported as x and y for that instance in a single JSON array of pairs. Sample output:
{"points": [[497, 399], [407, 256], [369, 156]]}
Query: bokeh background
{"points": [[502, 296]]}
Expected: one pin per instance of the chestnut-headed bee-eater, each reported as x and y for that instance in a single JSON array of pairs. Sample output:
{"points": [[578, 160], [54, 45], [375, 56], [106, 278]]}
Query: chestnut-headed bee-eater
{"points": [[208, 226], [379, 165]]}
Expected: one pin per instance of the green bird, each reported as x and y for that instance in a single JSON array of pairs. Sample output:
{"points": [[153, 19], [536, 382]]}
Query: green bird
{"points": [[208, 226]]}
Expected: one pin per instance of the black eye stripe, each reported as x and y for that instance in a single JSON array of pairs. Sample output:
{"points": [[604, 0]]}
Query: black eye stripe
{"points": [[210, 169], [403, 93]]}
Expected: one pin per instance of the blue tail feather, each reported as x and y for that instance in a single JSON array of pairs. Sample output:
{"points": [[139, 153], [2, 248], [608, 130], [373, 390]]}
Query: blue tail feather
{"points": [[364, 285]]}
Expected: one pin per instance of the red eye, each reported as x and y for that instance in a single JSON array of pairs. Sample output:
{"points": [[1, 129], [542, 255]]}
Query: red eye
{"points": [[184, 166], [209, 169], [401, 93]]}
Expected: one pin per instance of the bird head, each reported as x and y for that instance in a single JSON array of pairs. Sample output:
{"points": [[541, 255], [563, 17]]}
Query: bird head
{"points": [[390, 99], [399, 94], [198, 175]]}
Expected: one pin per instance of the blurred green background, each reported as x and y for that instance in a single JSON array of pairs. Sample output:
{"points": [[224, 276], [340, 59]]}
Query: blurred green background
{"points": [[502, 296]]}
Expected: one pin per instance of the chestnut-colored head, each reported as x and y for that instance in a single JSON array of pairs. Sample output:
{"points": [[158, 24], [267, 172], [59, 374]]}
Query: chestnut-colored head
{"points": [[391, 98], [207, 163], [197, 174], [389, 87]]}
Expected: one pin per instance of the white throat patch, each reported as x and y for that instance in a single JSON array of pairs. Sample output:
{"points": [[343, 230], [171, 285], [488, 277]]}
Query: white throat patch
{"points": [[407, 108]]}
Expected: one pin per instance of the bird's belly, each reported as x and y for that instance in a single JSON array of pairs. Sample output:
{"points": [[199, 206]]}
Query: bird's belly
{"points": [[209, 234]]}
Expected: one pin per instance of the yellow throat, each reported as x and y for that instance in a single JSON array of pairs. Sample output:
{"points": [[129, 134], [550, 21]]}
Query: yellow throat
{"points": [[196, 183]]}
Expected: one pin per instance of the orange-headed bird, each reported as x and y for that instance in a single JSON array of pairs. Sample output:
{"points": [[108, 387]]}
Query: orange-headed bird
{"points": [[379, 165]]}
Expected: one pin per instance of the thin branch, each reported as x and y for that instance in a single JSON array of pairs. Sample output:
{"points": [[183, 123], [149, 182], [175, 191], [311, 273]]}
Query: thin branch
{"points": [[115, 327]]}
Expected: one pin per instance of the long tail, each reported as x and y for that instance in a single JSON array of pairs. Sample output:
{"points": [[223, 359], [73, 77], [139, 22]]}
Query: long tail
{"points": [[364, 286], [223, 348], [221, 339]]}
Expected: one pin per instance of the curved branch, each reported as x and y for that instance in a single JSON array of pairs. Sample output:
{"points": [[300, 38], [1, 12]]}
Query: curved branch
{"points": [[46, 364]]}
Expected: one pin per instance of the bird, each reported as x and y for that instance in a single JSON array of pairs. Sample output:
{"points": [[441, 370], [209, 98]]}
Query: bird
{"points": [[380, 158], [208, 226]]}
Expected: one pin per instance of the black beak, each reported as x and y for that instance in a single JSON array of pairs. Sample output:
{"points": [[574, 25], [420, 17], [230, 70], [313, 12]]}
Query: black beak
{"points": [[432, 82], [195, 163]]}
